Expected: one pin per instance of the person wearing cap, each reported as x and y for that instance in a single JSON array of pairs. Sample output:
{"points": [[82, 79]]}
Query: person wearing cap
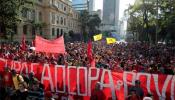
{"points": [[138, 89], [8, 82]]}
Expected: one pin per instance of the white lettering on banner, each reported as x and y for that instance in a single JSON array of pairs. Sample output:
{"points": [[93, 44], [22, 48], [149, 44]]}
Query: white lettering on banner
{"points": [[161, 97], [4, 61], [32, 65], [161, 88], [172, 88], [49, 77], [24, 65], [169, 77], [68, 77], [148, 80], [111, 83], [126, 82], [78, 81], [11, 65], [64, 78], [119, 84], [17, 66], [90, 78]]}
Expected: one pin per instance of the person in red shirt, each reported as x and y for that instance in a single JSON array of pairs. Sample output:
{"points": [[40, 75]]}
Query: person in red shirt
{"points": [[97, 93], [7, 83], [7, 79]]}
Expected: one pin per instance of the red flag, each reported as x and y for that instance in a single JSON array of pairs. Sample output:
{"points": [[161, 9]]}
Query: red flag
{"points": [[33, 43], [23, 42], [50, 46], [89, 54]]}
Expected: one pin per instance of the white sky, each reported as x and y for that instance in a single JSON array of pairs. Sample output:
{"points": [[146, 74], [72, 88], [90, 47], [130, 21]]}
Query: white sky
{"points": [[123, 5]]}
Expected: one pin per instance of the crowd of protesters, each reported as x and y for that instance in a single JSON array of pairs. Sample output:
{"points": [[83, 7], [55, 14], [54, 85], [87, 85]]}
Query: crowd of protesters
{"points": [[137, 57]]}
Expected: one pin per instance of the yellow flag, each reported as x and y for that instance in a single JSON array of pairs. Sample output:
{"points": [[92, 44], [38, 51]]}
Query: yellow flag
{"points": [[97, 37], [110, 40]]}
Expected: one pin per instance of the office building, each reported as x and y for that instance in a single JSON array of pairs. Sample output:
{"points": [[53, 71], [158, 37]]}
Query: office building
{"points": [[48, 18], [110, 15]]}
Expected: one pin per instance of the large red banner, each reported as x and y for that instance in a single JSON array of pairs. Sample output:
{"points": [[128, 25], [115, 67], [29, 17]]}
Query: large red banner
{"points": [[50, 46], [80, 81]]}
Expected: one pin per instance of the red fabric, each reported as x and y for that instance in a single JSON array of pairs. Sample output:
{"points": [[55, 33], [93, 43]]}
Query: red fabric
{"points": [[8, 79], [117, 83], [89, 54], [50, 46], [23, 42], [33, 43], [89, 50]]}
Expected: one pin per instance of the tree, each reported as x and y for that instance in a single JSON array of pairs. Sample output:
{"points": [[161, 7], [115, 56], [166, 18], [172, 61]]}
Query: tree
{"points": [[84, 17], [167, 20], [89, 24], [93, 23], [10, 14], [148, 17]]}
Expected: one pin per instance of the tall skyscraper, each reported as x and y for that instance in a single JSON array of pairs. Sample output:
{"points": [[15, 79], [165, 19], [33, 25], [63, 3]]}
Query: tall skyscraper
{"points": [[91, 6], [80, 4], [75, 2], [110, 15]]}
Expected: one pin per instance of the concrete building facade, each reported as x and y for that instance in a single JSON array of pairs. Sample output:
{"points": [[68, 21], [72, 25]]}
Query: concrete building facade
{"points": [[50, 19], [110, 15], [91, 6]]}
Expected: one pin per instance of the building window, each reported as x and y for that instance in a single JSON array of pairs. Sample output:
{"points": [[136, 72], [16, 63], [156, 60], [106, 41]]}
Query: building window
{"points": [[40, 16], [58, 19], [64, 21], [58, 4], [53, 31], [25, 29], [53, 2], [40, 31], [33, 31], [61, 32], [61, 20], [64, 8], [58, 33], [53, 18]]}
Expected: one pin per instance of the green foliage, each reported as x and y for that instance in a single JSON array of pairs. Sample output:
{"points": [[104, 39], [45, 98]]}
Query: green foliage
{"points": [[10, 14], [94, 23], [146, 17], [89, 24]]}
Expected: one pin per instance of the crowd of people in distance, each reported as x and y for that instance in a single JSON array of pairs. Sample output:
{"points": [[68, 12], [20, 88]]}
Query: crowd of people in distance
{"points": [[137, 56]]}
